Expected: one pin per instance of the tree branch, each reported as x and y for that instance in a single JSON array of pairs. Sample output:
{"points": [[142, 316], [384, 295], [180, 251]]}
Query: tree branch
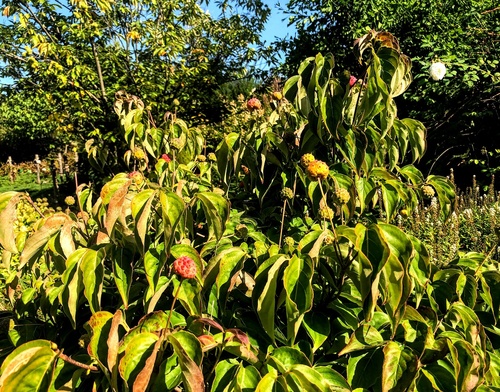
{"points": [[488, 11], [99, 71], [13, 56], [38, 21], [65, 358]]}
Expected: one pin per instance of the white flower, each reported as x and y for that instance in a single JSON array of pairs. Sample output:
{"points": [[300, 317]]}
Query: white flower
{"points": [[437, 71]]}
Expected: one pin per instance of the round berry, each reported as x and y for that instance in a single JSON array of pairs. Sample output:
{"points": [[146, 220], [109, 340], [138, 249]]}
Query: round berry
{"points": [[185, 267]]}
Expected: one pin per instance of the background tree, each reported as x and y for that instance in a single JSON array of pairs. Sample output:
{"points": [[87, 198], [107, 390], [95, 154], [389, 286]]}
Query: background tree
{"points": [[462, 110], [69, 58]]}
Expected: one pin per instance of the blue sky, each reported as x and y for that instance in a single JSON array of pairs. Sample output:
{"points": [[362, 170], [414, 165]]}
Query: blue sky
{"points": [[276, 25]]}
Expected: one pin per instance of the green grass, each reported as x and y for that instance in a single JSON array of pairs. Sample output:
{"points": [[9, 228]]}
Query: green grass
{"points": [[26, 182]]}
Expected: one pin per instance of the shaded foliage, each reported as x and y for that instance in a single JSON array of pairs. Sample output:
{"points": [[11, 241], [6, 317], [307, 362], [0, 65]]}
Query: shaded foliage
{"points": [[460, 112]]}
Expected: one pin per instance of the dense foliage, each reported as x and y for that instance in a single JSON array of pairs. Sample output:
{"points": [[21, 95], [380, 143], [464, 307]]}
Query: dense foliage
{"points": [[461, 111], [67, 59], [267, 264]]}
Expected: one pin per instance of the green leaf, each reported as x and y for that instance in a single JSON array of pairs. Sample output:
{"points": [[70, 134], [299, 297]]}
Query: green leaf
{"points": [[122, 261], [216, 210], [143, 379], [169, 375], [461, 316], [437, 376], [264, 292], [290, 88], [411, 173], [317, 326], [307, 242], [284, 358], [399, 368], [36, 243], [230, 262], [141, 212], [417, 137], [420, 268], [395, 280], [190, 344], [468, 364], [334, 379], [29, 367], [247, 379], [390, 198], [363, 338], [224, 375], [445, 191], [373, 253], [172, 212], [92, 269], [138, 349], [297, 279], [309, 378], [72, 280], [154, 262], [191, 372], [364, 369], [99, 327], [270, 383]]}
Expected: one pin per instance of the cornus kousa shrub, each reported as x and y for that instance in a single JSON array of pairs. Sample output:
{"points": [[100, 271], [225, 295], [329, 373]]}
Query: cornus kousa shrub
{"points": [[271, 265]]}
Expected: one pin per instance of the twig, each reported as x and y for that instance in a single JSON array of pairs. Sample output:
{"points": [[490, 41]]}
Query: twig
{"points": [[488, 11], [42, 25], [99, 71], [65, 358]]}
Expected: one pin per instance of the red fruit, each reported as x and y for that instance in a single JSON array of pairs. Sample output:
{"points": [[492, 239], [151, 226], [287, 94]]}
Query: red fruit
{"points": [[352, 80], [185, 267], [166, 158], [253, 104]]}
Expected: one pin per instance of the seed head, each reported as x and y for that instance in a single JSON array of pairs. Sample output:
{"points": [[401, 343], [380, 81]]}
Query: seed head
{"points": [[329, 239], [342, 195], [139, 153], [253, 104], [287, 193], [326, 213], [289, 241], [136, 177], [306, 159], [277, 96], [428, 191], [69, 200], [185, 267], [212, 157], [317, 170]]}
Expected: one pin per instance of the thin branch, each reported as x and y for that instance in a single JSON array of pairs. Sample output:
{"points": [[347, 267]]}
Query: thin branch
{"points": [[39, 22], [13, 56], [488, 11], [99, 71], [65, 358]]}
